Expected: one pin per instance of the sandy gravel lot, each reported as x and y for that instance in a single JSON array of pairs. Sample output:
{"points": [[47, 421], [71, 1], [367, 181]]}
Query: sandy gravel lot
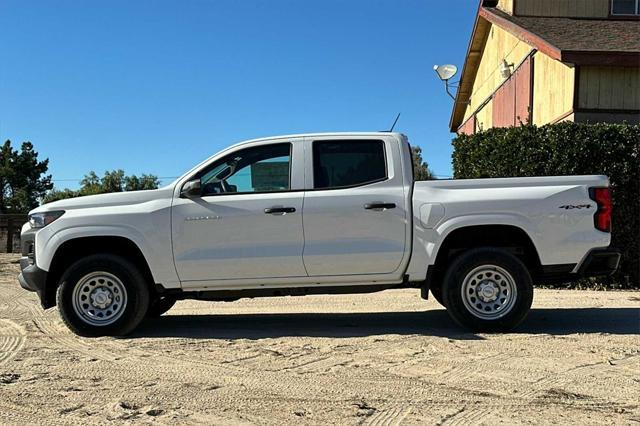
{"points": [[387, 358]]}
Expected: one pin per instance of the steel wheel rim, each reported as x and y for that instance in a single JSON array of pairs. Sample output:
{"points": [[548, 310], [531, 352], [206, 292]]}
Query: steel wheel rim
{"points": [[489, 292], [99, 298]]}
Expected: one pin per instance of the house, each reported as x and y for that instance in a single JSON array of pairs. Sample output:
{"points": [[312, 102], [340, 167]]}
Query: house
{"points": [[546, 61]]}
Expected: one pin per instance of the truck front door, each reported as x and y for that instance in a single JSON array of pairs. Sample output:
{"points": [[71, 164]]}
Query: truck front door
{"points": [[247, 222]]}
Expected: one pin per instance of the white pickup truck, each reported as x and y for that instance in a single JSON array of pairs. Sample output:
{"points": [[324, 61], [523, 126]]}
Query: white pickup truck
{"points": [[315, 214]]}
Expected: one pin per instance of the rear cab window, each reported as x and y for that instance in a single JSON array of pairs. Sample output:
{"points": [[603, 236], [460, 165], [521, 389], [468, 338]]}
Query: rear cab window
{"points": [[348, 163]]}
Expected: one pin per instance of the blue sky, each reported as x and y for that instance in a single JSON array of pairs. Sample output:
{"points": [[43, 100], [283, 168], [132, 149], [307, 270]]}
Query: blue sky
{"points": [[157, 86]]}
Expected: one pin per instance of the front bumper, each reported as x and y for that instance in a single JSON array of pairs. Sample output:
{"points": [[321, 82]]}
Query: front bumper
{"points": [[600, 262], [31, 277]]}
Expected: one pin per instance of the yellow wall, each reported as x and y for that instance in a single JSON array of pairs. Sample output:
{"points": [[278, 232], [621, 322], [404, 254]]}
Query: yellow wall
{"points": [[506, 5], [609, 88], [573, 8], [553, 88], [484, 117], [500, 45]]}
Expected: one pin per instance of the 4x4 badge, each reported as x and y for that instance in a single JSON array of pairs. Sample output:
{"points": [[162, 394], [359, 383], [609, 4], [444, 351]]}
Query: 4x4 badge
{"points": [[580, 206]]}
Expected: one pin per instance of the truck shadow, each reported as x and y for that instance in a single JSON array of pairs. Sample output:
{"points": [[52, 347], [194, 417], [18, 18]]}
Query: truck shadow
{"points": [[340, 325]]}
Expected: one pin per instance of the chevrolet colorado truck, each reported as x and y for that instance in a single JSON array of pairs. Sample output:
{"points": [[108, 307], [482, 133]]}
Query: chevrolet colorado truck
{"points": [[315, 214]]}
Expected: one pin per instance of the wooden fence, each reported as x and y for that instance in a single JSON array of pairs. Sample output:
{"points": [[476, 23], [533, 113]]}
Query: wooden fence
{"points": [[10, 226]]}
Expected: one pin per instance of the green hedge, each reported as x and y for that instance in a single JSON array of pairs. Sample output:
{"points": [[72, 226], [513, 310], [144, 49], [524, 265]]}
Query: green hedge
{"points": [[568, 149]]}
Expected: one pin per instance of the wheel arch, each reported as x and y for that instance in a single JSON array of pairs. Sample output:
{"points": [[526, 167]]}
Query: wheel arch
{"points": [[73, 249], [510, 237]]}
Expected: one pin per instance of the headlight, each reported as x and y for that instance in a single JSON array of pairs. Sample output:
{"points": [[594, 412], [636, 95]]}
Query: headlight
{"points": [[40, 220]]}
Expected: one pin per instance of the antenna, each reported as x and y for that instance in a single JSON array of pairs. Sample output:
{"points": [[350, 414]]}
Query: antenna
{"points": [[394, 123]]}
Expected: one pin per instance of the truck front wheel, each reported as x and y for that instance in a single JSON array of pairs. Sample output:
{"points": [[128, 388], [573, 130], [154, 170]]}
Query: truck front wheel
{"points": [[488, 289], [159, 306], [436, 292], [102, 295]]}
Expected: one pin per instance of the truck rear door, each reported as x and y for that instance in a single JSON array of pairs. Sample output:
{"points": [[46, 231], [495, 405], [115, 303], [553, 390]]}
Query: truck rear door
{"points": [[356, 213]]}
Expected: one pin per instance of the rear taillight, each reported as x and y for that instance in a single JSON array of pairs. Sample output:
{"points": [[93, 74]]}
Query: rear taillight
{"points": [[602, 217]]}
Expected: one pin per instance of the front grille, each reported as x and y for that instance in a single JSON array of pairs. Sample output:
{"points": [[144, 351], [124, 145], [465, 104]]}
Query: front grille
{"points": [[28, 247], [31, 253]]}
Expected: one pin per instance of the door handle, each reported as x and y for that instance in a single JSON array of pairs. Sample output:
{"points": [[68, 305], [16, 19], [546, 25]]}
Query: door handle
{"points": [[280, 210], [379, 206]]}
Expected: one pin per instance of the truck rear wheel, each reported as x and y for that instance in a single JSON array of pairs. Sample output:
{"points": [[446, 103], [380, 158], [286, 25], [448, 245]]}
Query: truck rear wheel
{"points": [[488, 289], [102, 295]]}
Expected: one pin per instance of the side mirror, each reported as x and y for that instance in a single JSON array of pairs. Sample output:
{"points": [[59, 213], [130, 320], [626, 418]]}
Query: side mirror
{"points": [[191, 189]]}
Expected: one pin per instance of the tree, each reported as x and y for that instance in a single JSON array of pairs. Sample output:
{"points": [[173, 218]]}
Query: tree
{"points": [[22, 178], [90, 185], [59, 194], [112, 181], [421, 169], [135, 183]]}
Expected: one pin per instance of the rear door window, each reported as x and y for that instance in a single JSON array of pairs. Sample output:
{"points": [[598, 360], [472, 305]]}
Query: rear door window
{"points": [[348, 163]]}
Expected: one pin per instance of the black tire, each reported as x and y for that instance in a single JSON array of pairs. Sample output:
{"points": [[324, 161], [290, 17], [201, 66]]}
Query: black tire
{"points": [[436, 292], [132, 311], [493, 262], [159, 306]]}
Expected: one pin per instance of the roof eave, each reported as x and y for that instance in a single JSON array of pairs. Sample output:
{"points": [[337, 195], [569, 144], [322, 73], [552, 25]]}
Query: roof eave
{"points": [[462, 96], [523, 34], [484, 17], [601, 58]]}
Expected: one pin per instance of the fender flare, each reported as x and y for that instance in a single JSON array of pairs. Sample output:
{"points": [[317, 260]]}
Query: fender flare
{"points": [[444, 229], [48, 246]]}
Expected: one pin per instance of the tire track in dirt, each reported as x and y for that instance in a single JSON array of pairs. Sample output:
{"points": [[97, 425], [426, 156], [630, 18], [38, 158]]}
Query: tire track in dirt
{"points": [[180, 370], [468, 417], [127, 369], [317, 364], [10, 301], [264, 376], [476, 416], [392, 416], [21, 415], [12, 338], [30, 309], [58, 334], [18, 307], [627, 361], [563, 378], [466, 374], [119, 354]]}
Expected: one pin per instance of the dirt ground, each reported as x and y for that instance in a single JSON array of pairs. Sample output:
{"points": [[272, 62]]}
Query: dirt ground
{"points": [[382, 359]]}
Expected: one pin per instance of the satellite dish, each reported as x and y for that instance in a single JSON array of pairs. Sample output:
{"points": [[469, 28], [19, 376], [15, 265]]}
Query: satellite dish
{"points": [[445, 72]]}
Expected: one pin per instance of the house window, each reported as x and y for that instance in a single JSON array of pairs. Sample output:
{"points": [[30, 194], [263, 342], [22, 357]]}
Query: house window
{"points": [[625, 7]]}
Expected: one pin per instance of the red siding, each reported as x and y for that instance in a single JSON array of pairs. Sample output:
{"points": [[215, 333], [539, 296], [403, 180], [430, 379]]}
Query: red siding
{"points": [[504, 101], [469, 126], [512, 101], [524, 92]]}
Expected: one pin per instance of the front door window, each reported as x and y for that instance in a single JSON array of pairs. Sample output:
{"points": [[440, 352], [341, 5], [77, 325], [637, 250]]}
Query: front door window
{"points": [[259, 169]]}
